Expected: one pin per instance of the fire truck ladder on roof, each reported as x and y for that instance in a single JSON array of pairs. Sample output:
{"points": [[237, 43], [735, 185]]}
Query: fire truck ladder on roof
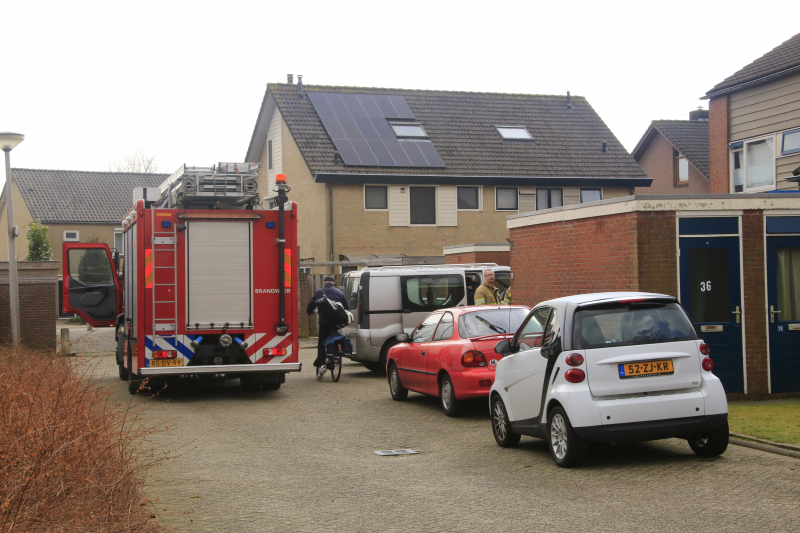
{"points": [[165, 280]]}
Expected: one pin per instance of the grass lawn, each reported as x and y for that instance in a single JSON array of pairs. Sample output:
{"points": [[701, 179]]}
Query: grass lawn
{"points": [[779, 422]]}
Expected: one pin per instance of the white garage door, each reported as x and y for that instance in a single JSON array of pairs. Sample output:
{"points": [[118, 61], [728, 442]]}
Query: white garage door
{"points": [[219, 272]]}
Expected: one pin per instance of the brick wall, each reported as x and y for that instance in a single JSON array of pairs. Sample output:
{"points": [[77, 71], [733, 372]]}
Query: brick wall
{"points": [[718, 135], [657, 162], [37, 302], [580, 256], [658, 255], [755, 305]]}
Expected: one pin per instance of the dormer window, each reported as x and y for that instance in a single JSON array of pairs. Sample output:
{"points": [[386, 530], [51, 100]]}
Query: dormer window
{"points": [[514, 133], [408, 131]]}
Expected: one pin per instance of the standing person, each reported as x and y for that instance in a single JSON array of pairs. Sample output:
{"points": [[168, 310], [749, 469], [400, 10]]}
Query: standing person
{"points": [[487, 293], [325, 329]]}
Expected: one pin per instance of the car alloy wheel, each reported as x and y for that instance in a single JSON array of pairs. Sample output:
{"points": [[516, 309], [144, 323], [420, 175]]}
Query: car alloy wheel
{"points": [[447, 395], [558, 437], [398, 392], [500, 422]]}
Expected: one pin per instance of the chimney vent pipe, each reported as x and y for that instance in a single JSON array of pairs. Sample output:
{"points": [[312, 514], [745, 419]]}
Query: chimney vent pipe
{"points": [[290, 79], [300, 86]]}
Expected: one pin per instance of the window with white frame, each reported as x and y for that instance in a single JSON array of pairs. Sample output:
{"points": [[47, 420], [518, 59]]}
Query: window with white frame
{"points": [[376, 197], [506, 199], [71, 236], [118, 241], [549, 198], [422, 206], [753, 165], [469, 198], [515, 133], [408, 130], [790, 142]]}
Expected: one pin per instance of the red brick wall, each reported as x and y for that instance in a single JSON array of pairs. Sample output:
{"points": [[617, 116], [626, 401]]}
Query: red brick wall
{"points": [[574, 257], [658, 163], [37, 310], [718, 135], [501, 258], [755, 305], [658, 255]]}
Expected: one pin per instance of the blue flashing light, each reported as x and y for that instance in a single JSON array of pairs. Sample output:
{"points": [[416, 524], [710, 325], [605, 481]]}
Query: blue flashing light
{"points": [[166, 224]]}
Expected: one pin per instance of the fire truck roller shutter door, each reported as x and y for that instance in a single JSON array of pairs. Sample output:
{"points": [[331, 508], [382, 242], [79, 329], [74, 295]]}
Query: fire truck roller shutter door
{"points": [[219, 272]]}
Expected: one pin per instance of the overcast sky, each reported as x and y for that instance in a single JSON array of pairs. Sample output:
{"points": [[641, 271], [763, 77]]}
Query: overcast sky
{"points": [[88, 82]]}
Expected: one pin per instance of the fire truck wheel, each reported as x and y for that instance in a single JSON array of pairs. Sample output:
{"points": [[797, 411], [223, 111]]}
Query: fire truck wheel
{"points": [[123, 372], [133, 386], [272, 386], [248, 383]]}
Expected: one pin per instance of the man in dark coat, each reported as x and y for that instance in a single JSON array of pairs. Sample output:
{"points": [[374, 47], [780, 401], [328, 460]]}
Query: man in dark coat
{"points": [[325, 329]]}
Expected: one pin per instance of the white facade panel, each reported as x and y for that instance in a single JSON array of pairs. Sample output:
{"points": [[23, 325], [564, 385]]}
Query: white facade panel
{"points": [[448, 206], [398, 205], [219, 272]]}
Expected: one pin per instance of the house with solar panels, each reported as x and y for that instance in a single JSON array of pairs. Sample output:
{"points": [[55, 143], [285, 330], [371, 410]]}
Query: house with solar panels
{"points": [[396, 172]]}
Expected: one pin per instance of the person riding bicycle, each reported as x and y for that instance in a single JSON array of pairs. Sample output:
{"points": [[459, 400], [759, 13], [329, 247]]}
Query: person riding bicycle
{"points": [[325, 328]]}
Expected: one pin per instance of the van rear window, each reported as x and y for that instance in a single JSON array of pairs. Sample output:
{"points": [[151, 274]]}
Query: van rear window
{"points": [[627, 324], [429, 293]]}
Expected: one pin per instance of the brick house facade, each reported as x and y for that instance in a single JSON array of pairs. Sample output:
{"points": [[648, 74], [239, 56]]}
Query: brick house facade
{"points": [[635, 244], [349, 207]]}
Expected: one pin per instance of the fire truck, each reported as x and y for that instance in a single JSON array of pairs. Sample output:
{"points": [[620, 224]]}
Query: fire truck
{"points": [[204, 283]]}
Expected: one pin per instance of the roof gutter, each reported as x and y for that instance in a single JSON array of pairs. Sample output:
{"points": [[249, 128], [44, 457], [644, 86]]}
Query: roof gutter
{"points": [[516, 181], [747, 84]]}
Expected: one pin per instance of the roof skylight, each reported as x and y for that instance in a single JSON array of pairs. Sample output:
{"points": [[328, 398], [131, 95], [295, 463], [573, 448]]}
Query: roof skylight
{"points": [[409, 130], [515, 133]]}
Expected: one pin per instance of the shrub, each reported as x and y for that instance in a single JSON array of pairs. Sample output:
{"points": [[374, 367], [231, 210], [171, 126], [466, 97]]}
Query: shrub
{"points": [[39, 248], [70, 460]]}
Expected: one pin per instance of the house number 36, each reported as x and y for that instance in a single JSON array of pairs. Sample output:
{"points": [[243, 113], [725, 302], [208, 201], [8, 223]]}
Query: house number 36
{"points": [[705, 286]]}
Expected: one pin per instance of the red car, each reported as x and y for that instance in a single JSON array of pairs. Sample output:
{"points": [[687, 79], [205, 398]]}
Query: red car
{"points": [[451, 353]]}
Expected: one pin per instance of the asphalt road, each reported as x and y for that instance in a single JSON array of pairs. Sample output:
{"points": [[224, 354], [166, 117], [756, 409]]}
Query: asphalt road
{"points": [[302, 459]]}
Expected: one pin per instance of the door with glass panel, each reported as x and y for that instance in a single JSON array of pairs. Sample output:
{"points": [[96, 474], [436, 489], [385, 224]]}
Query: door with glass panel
{"points": [[783, 312], [711, 294]]}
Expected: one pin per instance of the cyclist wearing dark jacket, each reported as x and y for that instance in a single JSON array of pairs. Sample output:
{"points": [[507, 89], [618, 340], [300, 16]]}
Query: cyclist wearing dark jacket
{"points": [[325, 328]]}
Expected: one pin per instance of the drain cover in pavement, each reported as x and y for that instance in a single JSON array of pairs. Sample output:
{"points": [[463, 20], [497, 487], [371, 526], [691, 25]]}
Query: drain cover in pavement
{"points": [[396, 452]]}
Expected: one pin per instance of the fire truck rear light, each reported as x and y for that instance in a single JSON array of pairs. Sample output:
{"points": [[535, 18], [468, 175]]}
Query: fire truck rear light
{"points": [[165, 354], [274, 351]]}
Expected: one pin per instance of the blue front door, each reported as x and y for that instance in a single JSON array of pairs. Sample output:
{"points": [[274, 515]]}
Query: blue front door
{"points": [[711, 294], [783, 312]]}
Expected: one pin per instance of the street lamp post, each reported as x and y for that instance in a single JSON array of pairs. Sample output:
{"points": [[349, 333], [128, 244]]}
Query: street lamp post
{"points": [[8, 141]]}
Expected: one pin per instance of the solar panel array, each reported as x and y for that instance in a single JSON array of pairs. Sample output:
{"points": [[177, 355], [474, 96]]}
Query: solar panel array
{"points": [[358, 127]]}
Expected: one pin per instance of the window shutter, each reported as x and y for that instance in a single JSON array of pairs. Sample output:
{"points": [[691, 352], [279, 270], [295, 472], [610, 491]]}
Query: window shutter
{"points": [[398, 205], [572, 195], [448, 204]]}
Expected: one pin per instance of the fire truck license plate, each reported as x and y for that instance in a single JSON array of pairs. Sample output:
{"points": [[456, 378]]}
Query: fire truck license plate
{"points": [[166, 362], [649, 368]]}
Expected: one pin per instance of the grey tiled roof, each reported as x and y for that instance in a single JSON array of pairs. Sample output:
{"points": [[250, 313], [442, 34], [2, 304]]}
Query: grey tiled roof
{"points": [[689, 137], [780, 58], [568, 142], [54, 196]]}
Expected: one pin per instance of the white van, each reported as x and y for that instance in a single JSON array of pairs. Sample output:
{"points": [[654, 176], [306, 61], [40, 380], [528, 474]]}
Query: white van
{"points": [[386, 301]]}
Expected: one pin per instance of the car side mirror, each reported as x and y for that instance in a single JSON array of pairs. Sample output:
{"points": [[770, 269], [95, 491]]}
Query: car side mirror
{"points": [[402, 337], [504, 347]]}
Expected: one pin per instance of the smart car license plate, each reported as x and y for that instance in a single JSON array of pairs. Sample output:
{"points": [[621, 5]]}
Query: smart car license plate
{"points": [[166, 362], [647, 368]]}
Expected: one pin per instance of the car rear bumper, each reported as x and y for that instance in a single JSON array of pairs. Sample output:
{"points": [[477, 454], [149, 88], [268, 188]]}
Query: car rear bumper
{"points": [[221, 369], [467, 383], [651, 430]]}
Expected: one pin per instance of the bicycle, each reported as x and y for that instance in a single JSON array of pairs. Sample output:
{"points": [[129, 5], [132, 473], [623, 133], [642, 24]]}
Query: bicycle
{"points": [[334, 353]]}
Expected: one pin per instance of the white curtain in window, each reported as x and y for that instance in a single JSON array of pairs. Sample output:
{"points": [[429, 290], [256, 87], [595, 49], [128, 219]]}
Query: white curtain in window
{"points": [[683, 169], [760, 163], [738, 172]]}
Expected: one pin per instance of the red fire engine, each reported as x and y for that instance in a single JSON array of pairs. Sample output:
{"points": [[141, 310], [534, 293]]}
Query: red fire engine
{"points": [[207, 284]]}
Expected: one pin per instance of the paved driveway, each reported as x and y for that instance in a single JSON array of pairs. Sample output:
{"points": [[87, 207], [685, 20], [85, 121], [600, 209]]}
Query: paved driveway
{"points": [[301, 459]]}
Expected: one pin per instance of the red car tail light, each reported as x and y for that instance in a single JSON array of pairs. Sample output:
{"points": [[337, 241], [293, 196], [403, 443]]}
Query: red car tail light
{"points": [[574, 375], [708, 364], [165, 354], [274, 351], [575, 359], [705, 349], [485, 383], [473, 358]]}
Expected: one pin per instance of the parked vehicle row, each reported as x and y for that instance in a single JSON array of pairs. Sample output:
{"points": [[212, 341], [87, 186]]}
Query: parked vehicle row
{"points": [[593, 368]]}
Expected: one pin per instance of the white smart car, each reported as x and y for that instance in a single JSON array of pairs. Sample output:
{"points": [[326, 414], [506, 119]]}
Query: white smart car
{"points": [[607, 367]]}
